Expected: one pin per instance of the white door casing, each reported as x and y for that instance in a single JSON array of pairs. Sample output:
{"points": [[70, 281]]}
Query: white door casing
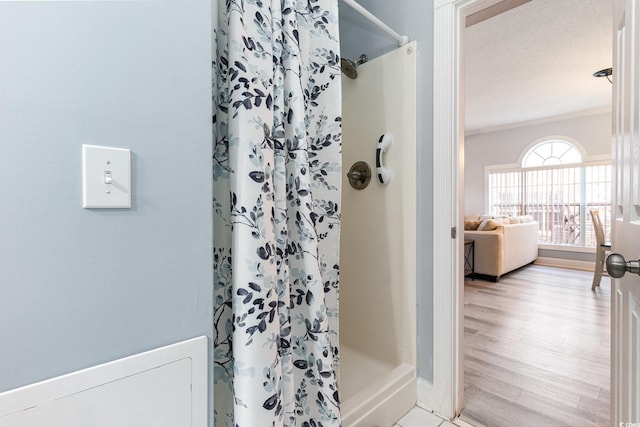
{"points": [[444, 395], [625, 292]]}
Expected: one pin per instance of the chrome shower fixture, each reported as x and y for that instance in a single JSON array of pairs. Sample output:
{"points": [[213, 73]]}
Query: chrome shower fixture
{"points": [[349, 67]]}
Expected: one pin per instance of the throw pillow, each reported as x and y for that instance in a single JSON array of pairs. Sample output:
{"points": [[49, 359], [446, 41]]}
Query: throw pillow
{"points": [[489, 225], [471, 225]]}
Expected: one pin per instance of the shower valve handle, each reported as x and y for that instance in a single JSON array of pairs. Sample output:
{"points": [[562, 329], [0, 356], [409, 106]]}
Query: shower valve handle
{"points": [[356, 174]]}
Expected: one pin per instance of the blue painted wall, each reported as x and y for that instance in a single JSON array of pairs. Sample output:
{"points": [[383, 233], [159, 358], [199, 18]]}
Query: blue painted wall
{"points": [[80, 287], [357, 36]]}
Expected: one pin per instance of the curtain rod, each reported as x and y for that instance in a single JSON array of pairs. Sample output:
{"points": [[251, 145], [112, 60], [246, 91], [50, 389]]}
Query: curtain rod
{"points": [[402, 40]]}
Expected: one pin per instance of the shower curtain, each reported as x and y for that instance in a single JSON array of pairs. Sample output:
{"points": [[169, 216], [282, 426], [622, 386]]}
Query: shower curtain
{"points": [[276, 198]]}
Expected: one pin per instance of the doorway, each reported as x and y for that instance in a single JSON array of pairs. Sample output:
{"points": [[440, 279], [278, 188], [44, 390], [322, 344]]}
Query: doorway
{"points": [[449, 23]]}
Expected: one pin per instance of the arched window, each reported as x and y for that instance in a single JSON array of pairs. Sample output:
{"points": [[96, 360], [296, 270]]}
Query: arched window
{"points": [[553, 184], [550, 153]]}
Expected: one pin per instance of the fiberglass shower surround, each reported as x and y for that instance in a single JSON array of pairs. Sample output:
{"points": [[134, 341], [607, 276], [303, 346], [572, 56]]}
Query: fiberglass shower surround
{"points": [[378, 337]]}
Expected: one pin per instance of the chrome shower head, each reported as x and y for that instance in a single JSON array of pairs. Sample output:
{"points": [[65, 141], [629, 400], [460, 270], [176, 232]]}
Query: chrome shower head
{"points": [[349, 67]]}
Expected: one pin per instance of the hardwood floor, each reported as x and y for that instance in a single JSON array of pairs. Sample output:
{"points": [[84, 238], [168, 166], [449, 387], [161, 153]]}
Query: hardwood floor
{"points": [[536, 348]]}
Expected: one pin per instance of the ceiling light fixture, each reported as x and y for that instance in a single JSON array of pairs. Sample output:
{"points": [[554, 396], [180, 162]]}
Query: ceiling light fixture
{"points": [[607, 72]]}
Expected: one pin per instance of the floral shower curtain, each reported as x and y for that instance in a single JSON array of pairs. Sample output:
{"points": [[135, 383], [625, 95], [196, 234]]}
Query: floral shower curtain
{"points": [[276, 186]]}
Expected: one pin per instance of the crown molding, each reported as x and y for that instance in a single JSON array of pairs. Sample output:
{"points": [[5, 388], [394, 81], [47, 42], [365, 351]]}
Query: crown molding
{"points": [[543, 120]]}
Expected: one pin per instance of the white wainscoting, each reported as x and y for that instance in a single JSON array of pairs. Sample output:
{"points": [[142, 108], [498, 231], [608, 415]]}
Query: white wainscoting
{"points": [[165, 387]]}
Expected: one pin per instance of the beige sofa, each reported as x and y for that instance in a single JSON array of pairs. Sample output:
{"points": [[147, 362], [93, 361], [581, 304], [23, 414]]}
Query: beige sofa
{"points": [[505, 248]]}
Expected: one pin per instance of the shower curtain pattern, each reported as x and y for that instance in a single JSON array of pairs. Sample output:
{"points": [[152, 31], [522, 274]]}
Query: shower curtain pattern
{"points": [[276, 186]]}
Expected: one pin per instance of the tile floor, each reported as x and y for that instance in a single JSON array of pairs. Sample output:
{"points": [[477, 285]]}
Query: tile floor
{"points": [[419, 417]]}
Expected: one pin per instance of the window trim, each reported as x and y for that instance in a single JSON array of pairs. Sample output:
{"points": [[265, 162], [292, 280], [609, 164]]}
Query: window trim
{"points": [[564, 138]]}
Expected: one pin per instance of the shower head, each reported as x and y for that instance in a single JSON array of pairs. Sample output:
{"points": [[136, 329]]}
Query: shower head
{"points": [[349, 67]]}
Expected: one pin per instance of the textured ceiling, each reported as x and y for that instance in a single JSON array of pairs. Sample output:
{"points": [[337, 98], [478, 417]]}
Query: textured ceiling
{"points": [[536, 62]]}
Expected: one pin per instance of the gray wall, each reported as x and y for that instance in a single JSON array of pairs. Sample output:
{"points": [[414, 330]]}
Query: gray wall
{"points": [[80, 287], [415, 19]]}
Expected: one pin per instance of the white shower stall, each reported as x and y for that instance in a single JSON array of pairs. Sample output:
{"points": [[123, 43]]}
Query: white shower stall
{"points": [[378, 244]]}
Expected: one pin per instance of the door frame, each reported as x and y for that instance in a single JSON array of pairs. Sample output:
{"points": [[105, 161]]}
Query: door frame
{"points": [[445, 394]]}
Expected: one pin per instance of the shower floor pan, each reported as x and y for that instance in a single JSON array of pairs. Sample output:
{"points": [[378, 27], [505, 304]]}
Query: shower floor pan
{"points": [[374, 393]]}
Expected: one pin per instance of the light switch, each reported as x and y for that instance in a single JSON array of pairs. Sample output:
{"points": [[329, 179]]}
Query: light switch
{"points": [[106, 177]]}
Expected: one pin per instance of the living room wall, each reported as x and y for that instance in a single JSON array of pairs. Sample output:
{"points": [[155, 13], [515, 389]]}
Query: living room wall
{"points": [[504, 147]]}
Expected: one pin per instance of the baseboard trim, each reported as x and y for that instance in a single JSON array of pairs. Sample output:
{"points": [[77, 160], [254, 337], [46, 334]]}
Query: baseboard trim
{"points": [[384, 402], [425, 395], [565, 263]]}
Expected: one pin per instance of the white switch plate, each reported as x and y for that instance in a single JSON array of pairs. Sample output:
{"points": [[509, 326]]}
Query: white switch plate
{"points": [[98, 163]]}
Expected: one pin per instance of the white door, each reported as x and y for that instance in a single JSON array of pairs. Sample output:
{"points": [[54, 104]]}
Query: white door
{"points": [[625, 315]]}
